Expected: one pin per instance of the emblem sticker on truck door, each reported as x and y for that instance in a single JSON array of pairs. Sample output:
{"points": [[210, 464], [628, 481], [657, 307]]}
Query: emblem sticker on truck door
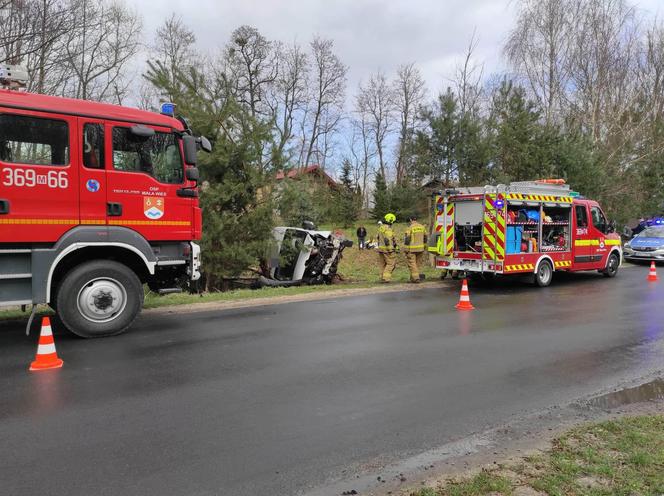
{"points": [[153, 208]]}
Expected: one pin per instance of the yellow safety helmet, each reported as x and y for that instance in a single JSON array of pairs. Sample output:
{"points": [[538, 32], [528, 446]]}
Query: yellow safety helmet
{"points": [[390, 218]]}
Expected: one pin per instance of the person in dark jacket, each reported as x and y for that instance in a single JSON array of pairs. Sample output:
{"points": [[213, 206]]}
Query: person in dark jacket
{"points": [[361, 237]]}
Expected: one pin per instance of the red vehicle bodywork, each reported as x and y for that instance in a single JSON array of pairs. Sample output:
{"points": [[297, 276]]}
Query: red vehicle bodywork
{"points": [[98, 189], [583, 244], [42, 214]]}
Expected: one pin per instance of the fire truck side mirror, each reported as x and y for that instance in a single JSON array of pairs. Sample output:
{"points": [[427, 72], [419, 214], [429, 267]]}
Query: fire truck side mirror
{"points": [[190, 149], [206, 146], [192, 174]]}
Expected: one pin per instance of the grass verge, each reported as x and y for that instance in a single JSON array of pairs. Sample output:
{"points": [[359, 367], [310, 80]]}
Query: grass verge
{"points": [[616, 457]]}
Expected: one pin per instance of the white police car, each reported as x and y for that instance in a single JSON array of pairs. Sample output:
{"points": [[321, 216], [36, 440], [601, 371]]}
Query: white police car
{"points": [[647, 245]]}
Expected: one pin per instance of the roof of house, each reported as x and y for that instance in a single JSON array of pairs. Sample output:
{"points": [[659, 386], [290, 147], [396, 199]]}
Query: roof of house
{"points": [[315, 170], [83, 108]]}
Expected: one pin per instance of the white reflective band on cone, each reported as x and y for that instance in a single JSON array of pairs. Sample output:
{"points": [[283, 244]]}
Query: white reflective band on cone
{"points": [[46, 349]]}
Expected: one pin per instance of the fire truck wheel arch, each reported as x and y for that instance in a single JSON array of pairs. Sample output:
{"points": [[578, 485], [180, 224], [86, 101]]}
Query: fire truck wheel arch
{"points": [[109, 240], [539, 261]]}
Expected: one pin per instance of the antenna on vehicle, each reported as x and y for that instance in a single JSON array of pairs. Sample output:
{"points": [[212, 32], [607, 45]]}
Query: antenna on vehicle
{"points": [[13, 77]]}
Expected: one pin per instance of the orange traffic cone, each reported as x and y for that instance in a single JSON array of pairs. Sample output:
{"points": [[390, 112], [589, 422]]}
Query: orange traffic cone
{"points": [[47, 357], [652, 275], [464, 299]]}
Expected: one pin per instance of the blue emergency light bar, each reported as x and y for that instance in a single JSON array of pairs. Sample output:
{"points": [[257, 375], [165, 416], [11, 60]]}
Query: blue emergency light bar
{"points": [[168, 109]]}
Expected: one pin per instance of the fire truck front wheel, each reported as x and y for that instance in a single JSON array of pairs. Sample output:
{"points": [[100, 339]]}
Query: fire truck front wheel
{"points": [[99, 298], [544, 274], [612, 265]]}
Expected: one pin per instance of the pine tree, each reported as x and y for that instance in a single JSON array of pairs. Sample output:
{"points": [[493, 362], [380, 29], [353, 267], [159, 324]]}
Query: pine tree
{"points": [[381, 197], [237, 210], [348, 196], [519, 137]]}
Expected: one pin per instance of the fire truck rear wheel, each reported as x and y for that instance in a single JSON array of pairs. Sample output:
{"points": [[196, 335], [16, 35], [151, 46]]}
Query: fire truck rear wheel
{"points": [[544, 274], [99, 298]]}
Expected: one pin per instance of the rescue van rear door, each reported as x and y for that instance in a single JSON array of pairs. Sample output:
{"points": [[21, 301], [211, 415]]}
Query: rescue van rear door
{"points": [[39, 196]]}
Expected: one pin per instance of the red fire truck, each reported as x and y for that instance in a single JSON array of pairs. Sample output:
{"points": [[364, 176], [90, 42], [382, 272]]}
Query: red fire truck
{"points": [[523, 228], [96, 200]]}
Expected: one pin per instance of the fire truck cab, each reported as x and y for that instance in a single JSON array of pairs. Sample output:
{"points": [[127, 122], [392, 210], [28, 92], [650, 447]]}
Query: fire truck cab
{"points": [[96, 200], [522, 228]]}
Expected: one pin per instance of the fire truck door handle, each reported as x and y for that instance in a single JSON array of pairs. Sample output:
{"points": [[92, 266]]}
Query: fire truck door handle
{"points": [[4, 207], [114, 209]]}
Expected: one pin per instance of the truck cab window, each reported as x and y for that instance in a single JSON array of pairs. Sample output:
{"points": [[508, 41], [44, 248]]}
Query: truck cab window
{"points": [[581, 216], [93, 146], [158, 156], [33, 140], [599, 221]]}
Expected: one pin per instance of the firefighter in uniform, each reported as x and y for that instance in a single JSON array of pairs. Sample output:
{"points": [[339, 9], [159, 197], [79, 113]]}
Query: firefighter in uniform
{"points": [[414, 245], [387, 247]]}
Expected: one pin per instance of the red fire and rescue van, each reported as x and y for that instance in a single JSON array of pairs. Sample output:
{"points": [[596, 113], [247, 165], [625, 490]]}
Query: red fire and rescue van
{"points": [[95, 201], [522, 228]]}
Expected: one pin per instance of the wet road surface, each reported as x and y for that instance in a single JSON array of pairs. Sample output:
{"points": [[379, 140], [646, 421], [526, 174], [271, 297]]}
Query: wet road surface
{"points": [[284, 399]]}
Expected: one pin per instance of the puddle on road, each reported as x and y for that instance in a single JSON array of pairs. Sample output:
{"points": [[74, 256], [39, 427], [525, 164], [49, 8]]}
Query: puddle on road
{"points": [[645, 392]]}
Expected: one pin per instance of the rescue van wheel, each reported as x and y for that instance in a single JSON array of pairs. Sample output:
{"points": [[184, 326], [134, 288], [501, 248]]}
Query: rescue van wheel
{"points": [[544, 274], [99, 298], [612, 265]]}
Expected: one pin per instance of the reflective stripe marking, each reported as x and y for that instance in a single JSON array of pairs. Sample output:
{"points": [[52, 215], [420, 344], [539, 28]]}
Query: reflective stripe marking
{"points": [[563, 263], [149, 223], [449, 234], [548, 198], [519, 267], [46, 331], [586, 242], [612, 242], [45, 349], [40, 221], [493, 242], [87, 222]]}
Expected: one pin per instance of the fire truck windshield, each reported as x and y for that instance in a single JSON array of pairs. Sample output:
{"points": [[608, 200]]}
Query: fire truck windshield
{"points": [[159, 155]]}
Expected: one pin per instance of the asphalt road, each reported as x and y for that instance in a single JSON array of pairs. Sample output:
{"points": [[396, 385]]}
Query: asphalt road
{"points": [[284, 399]]}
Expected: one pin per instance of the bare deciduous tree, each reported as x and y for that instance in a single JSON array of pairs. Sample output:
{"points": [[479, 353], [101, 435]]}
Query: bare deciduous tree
{"points": [[289, 96], [376, 101], [103, 39], [539, 48], [409, 92], [173, 51], [252, 67], [327, 86]]}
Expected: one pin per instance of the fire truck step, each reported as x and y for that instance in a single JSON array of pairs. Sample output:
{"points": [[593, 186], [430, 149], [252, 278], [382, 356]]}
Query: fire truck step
{"points": [[165, 291], [15, 276]]}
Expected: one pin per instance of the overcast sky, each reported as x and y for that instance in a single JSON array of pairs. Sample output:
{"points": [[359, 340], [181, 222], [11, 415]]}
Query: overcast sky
{"points": [[368, 34]]}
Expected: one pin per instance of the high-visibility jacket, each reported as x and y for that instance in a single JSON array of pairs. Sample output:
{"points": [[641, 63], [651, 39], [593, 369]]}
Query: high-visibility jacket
{"points": [[416, 238], [386, 241]]}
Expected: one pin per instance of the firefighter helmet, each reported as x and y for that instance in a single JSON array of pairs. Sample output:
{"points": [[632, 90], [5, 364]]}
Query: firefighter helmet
{"points": [[390, 218]]}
